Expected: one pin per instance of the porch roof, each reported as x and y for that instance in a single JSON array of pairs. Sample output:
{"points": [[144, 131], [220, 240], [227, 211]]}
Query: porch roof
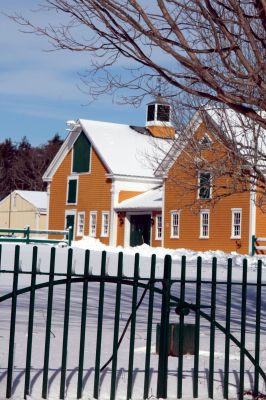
{"points": [[150, 200]]}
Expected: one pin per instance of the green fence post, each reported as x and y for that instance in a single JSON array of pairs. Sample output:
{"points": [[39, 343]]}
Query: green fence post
{"points": [[70, 235], [164, 334], [149, 329], [27, 234], [12, 325], [116, 325], [133, 327], [181, 329], [258, 327], [48, 324], [197, 328], [99, 327], [227, 328], [66, 325], [30, 322], [83, 324]]}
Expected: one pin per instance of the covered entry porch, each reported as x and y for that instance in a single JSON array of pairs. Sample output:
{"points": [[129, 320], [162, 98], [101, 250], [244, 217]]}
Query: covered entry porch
{"points": [[140, 219]]}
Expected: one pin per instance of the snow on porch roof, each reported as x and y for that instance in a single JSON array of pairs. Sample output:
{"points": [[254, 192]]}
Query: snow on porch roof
{"points": [[124, 150], [150, 200], [36, 198]]}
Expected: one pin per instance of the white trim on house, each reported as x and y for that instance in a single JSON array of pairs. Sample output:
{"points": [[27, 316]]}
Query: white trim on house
{"points": [[93, 232], [235, 211], [204, 223], [103, 232], [252, 219], [81, 232], [62, 152], [113, 216], [174, 235], [163, 213], [158, 227], [48, 204]]}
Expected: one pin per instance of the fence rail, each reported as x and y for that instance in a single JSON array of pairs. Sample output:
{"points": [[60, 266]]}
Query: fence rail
{"points": [[255, 246], [223, 304], [27, 232]]}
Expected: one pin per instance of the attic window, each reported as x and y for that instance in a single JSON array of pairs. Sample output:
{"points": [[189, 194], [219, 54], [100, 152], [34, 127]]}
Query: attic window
{"points": [[163, 113], [81, 154], [205, 141]]}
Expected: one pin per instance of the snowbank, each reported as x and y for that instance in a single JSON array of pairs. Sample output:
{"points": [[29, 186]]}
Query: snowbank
{"points": [[145, 250]]}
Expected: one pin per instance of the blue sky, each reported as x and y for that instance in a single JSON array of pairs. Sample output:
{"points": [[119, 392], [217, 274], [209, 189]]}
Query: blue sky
{"points": [[39, 90]]}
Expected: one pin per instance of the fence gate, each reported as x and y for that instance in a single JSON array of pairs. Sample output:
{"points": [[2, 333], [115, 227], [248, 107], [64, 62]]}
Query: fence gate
{"points": [[131, 329]]}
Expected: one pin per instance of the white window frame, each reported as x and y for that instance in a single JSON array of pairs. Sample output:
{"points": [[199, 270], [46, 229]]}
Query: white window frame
{"points": [[204, 198], [79, 231], [234, 212], [104, 231], [159, 227], [71, 178], [175, 235], [93, 231], [203, 234]]}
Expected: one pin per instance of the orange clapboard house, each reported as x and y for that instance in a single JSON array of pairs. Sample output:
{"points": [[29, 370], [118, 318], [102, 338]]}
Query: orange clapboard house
{"points": [[98, 172], [191, 219]]}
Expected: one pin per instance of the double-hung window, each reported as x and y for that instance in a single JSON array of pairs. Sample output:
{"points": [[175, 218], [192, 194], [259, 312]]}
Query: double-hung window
{"points": [[204, 185], [159, 227], [236, 223], [81, 224], [105, 224], [175, 224], [93, 224], [204, 224]]}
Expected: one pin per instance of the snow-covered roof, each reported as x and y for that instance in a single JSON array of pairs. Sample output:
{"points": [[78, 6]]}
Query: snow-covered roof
{"points": [[232, 127], [38, 199], [248, 136], [122, 149], [150, 200]]}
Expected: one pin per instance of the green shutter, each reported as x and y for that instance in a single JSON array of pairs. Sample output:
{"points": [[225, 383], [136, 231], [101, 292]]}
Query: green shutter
{"points": [[82, 151], [72, 191]]}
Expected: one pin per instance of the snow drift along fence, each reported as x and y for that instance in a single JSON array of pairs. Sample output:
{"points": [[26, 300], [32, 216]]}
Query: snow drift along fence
{"points": [[112, 311]]}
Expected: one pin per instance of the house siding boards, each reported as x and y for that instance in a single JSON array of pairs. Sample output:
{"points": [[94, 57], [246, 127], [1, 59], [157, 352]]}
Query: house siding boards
{"points": [[124, 195], [219, 228], [94, 194], [178, 198]]}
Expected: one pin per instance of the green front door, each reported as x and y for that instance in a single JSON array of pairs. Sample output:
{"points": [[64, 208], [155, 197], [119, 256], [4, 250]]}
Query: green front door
{"points": [[140, 229]]}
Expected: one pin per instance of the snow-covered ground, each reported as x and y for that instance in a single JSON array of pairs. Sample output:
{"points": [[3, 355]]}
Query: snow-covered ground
{"points": [[145, 251]]}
